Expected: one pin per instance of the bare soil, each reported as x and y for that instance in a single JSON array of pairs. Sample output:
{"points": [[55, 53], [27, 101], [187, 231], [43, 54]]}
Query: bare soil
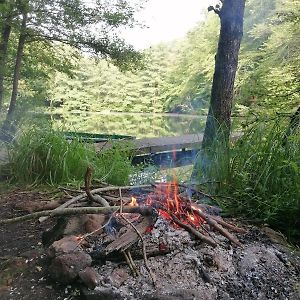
{"points": [[23, 264]]}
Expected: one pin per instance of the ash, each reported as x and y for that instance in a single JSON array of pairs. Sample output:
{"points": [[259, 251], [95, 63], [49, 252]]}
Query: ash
{"points": [[187, 269]]}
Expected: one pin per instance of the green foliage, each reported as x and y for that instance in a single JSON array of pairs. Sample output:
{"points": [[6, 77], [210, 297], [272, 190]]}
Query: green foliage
{"points": [[98, 86], [42, 155], [177, 76], [261, 175], [269, 61], [81, 26]]}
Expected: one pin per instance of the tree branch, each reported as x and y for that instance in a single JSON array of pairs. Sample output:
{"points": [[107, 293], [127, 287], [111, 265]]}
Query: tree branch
{"points": [[145, 211]]}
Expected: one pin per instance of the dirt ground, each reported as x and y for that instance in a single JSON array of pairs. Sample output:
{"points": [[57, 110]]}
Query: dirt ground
{"points": [[22, 261]]}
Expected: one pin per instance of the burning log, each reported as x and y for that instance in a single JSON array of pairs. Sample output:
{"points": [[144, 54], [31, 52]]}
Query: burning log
{"points": [[193, 231]]}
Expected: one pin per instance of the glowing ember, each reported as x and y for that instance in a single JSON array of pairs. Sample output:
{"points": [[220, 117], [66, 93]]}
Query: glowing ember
{"points": [[133, 202], [191, 217]]}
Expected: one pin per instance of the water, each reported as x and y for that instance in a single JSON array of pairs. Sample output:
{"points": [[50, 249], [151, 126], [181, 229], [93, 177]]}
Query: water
{"points": [[135, 124]]}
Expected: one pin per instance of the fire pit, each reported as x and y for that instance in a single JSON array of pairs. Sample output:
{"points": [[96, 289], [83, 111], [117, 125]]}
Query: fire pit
{"points": [[157, 242]]}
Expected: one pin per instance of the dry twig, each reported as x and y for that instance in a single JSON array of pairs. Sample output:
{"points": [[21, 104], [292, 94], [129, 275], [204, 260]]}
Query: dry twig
{"points": [[213, 223], [91, 197], [143, 246]]}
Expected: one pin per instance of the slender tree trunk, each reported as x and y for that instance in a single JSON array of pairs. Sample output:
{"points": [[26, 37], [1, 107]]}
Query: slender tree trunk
{"points": [[293, 127], [218, 121], [17, 69], [5, 33]]}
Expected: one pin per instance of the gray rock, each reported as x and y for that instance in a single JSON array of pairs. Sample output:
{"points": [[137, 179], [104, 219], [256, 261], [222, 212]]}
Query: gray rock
{"points": [[101, 293], [66, 267], [90, 277], [65, 245], [118, 277]]}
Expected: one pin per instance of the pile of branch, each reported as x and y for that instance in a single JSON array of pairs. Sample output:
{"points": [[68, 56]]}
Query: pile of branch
{"points": [[104, 200]]}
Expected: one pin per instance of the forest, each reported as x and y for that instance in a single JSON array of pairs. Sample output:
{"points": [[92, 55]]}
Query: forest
{"points": [[233, 81], [267, 78]]}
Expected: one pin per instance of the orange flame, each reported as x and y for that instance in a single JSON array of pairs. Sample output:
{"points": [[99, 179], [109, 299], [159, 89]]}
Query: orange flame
{"points": [[133, 202], [172, 203]]}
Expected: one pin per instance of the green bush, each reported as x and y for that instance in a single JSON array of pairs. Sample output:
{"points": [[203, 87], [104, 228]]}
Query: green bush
{"points": [[261, 175], [42, 155]]}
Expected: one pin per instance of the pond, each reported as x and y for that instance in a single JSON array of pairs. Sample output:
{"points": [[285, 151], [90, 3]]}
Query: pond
{"points": [[135, 124]]}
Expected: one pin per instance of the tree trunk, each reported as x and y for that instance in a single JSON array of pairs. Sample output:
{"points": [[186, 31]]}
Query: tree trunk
{"points": [[293, 127], [5, 33], [17, 69], [218, 123]]}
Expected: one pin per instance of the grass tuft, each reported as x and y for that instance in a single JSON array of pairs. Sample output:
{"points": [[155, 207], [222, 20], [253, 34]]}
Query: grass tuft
{"points": [[42, 155], [261, 175]]}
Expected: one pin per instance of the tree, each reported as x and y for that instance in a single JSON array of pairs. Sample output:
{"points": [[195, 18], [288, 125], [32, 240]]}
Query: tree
{"points": [[218, 123], [6, 14], [76, 23]]}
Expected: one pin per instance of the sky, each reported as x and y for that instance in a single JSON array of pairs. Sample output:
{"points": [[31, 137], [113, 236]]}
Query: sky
{"points": [[167, 20]]}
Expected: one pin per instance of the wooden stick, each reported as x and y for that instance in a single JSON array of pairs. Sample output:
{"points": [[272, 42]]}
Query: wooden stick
{"points": [[228, 225], [218, 227], [133, 270], [132, 262], [143, 210], [144, 250], [98, 190], [91, 197], [115, 199], [62, 188], [115, 188], [193, 231], [66, 204]]}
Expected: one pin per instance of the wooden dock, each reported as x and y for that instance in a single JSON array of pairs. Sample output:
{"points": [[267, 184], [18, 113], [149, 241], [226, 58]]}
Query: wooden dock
{"points": [[165, 152], [159, 144], [154, 145]]}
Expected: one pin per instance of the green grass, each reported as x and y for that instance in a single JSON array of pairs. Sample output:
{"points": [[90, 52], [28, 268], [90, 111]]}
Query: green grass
{"points": [[42, 155], [261, 175]]}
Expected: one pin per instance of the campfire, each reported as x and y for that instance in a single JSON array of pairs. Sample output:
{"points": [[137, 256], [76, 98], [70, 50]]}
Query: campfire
{"points": [[161, 241], [131, 218]]}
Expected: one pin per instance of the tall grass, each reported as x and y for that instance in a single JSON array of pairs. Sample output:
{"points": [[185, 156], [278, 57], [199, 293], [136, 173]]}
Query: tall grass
{"points": [[261, 175], [42, 155]]}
